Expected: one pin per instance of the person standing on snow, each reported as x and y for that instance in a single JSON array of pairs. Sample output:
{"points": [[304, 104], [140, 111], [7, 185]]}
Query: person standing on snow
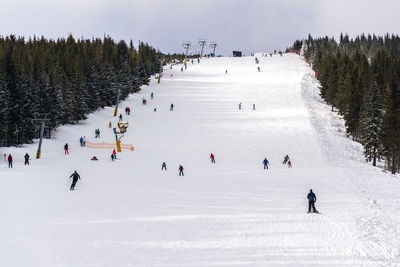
{"points": [[258, 68], [26, 157], [285, 160], [120, 117], [212, 157], [164, 166], [181, 169], [66, 152], [266, 163], [240, 105], [75, 176], [171, 108], [81, 140], [10, 160], [152, 95], [311, 202], [109, 124], [254, 106]]}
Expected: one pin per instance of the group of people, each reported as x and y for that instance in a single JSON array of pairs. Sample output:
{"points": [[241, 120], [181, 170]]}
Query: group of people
{"points": [[286, 160], [10, 159]]}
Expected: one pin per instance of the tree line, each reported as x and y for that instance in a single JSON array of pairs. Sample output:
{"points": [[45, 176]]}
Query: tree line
{"points": [[66, 79], [360, 78]]}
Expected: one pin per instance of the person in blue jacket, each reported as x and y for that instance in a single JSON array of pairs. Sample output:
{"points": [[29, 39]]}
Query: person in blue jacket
{"points": [[266, 163]]}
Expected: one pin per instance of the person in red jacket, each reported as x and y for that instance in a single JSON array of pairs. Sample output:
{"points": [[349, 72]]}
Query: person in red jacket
{"points": [[10, 160], [212, 157]]}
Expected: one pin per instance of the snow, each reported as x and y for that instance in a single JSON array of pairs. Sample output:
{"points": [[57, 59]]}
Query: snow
{"points": [[232, 213]]}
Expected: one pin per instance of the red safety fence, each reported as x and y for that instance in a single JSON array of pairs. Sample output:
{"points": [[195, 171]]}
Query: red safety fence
{"points": [[104, 145]]}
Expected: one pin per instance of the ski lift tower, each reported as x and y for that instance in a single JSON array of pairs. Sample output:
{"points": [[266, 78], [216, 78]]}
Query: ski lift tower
{"points": [[186, 45], [213, 45], [202, 43], [42, 125]]}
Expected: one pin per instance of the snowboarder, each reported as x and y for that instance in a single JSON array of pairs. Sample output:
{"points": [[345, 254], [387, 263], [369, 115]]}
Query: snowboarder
{"points": [[120, 117], [10, 160], [152, 95], [240, 105], [181, 169], [26, 157], [254, 106], [164, 166], [266, 163], [171, 108], [66, 152], [285, 160], [109, 125], [311, 202], [258, 68], [289, 164], [75, 176], [212, 157]]}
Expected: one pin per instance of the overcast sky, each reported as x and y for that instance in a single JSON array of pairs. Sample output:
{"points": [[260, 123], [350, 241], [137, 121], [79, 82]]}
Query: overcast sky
{"points": [[247, 25]]}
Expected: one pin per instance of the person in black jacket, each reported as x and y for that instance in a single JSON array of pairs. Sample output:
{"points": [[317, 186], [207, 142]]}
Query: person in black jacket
{"points": [[27, 157], [311, 201], [75, 176]]}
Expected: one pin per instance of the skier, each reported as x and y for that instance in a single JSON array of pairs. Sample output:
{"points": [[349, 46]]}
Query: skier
{"points": [[126, 110], [164, 166], [181, 69], [75, 176], [109, 124], [98, 133], [155, 110], [254, 106], [311, 202], [10, 160], [27, 157], [289, 164], [129, 111], [285, 160], [113, 157], [240, 105], [266, 163], [258, 68], [198, 60], [120, 117], [152, 95], [171, 108], [81, 140], [212, 157], [66, 152], [114, 152], [181, 170], [226, 71]]}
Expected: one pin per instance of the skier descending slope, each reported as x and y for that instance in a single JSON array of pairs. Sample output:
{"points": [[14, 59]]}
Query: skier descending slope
{"points": [[26, 157], [164, 166], [312, 198], [75, 176], [285, 160], [212, 157], [266, 163], [181, 170], [66, 151]]}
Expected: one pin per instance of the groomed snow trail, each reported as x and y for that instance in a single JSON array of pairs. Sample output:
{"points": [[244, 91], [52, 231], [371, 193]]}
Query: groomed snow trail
{"points": [[232, 213]]}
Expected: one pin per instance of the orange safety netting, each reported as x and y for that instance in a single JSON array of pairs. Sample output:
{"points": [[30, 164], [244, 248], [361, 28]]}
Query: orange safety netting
{"points": [[104, 145]]}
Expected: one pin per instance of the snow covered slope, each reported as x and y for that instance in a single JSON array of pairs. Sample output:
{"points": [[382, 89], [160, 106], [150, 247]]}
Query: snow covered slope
{"points": [[232, 213]]}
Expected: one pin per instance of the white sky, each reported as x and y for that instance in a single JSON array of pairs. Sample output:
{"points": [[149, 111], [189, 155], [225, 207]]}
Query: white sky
{"points": [[247, 25]]}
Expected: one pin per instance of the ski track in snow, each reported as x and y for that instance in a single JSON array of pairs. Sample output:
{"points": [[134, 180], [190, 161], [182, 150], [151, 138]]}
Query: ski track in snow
{"points": [[232, 213]]}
